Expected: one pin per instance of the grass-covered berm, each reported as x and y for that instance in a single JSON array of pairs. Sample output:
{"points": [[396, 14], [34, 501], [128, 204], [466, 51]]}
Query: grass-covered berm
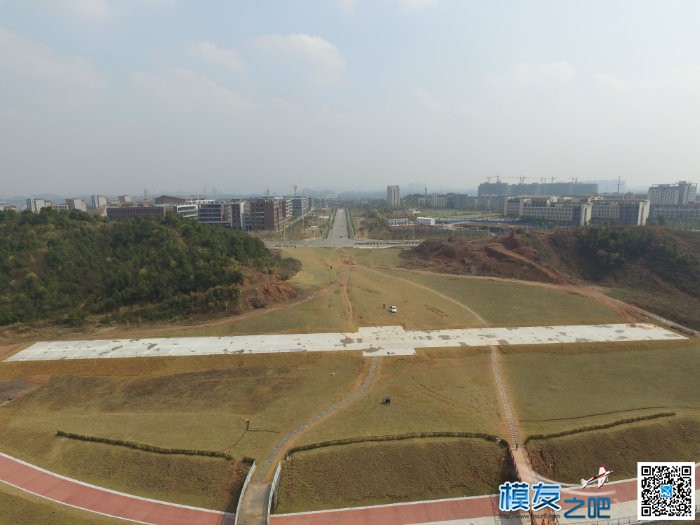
{"points": [[570, 458], [391, 471], [611, 404]]}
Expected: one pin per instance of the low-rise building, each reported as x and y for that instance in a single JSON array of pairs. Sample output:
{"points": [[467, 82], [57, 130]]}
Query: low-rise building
{"points": [[300, 206], [561, 210], [130, 212], [174, 201], [188, 211], [687, 212], [230, 214], [620, 211], [267, 213], [76, 204], [36, 205]]}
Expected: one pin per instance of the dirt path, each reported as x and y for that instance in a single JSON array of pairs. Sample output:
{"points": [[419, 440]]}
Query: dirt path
{"points": [[254, 502], [344, 283], [555, 276]]}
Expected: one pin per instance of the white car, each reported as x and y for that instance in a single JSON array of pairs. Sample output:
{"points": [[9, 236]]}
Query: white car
{"points": [[392, 309]]}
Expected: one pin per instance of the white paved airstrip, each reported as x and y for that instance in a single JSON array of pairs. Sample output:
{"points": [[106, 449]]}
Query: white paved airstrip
{"points": [[372, 341]]}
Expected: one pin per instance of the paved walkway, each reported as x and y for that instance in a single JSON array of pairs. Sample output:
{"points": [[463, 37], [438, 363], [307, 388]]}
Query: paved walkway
{"points": [[103, 501], [372, 341]]}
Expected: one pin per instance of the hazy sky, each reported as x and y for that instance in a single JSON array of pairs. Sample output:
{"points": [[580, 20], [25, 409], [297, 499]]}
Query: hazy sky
{"points": [[107, 96]]}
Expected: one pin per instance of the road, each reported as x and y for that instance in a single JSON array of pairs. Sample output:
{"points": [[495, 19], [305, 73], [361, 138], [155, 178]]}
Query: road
{"points": [[338, 234]]}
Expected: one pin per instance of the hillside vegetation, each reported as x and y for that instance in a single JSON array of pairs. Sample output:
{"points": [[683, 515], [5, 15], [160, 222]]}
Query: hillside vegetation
{"points": [[66, 266], [655, 268]]}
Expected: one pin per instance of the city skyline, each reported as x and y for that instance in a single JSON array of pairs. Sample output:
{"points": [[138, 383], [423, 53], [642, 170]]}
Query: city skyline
{"points": [[113, 97]]}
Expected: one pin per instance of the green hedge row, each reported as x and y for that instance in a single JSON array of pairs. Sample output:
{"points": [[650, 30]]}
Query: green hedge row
{"points": [[600, 427], [397, 437], [148, 448]]}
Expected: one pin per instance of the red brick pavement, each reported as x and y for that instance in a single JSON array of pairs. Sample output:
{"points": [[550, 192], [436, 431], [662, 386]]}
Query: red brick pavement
{"points": [[103, 501]]}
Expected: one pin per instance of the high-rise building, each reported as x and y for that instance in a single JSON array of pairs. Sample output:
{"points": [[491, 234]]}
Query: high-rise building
{"points": [[98, 201], [393, 196], [673, 194]]}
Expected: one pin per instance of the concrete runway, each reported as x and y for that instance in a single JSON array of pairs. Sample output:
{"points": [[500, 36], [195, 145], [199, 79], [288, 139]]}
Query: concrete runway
{"points": [[371, 341]]}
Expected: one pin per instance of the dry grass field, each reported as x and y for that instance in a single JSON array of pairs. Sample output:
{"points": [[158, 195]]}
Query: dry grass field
{"points": [[19, 507], [325, 312], [562, 387], [513, 304], [202, 402], [437, 390], [375, 257], [371, 295], [389, 472], [191, 403], [319, 266]]}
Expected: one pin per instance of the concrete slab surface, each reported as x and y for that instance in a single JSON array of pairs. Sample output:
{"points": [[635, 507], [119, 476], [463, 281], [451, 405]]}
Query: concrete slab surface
{"points": [[371, 341]]}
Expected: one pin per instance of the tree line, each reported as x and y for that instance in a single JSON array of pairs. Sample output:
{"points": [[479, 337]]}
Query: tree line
{"points": [[60, 266]]}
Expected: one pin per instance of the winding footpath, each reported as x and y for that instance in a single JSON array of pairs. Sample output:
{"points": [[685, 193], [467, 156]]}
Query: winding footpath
{"points": [[255, 500]]}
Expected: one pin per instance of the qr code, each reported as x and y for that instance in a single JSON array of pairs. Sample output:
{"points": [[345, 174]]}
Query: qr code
{"points": [[665, 491]]}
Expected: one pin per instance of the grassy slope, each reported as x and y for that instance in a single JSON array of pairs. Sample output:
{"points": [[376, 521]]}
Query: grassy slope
{"points": [[655, 268], [437, 390], [511, 304], [192, 402], [372, 293], [319, 266], [570, 458], [375, 473], [18, 507], [323, 313], [563, 387]]}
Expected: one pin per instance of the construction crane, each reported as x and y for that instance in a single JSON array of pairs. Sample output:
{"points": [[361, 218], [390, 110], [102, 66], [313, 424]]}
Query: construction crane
{"points": [[522, 179], [295, 188]]}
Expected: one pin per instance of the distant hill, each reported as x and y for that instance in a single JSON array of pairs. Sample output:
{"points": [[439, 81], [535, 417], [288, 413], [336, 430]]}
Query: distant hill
{"points": [[68, 266], [655, 268]]}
